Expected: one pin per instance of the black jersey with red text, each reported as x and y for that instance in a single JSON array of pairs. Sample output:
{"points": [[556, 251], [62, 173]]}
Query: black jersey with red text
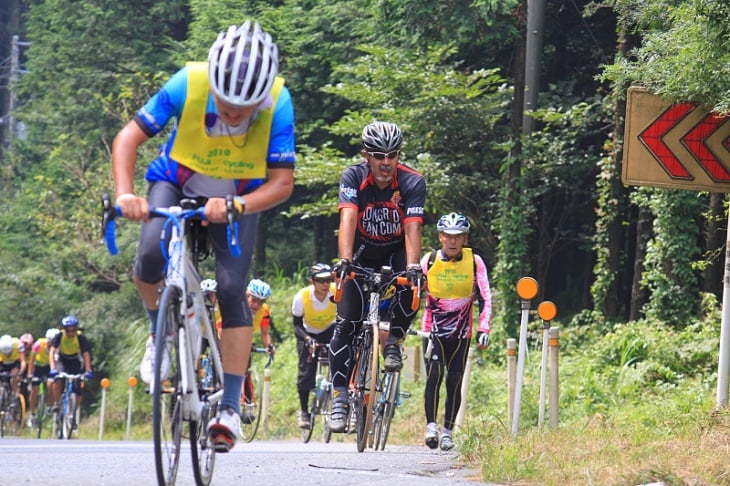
{"points": [[382, 213]]}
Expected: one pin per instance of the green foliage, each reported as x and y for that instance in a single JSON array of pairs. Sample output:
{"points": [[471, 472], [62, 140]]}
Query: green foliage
{"points": [[669, 272]]}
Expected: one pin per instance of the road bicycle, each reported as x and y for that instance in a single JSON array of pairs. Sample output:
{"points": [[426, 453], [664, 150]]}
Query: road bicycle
{"points": [[67, 413], [12, 407], [321, 394], [253, 397], [184, 333], [43, 410], [366, 379]]}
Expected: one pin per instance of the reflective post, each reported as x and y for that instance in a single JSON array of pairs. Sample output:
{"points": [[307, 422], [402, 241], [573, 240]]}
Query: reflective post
{"points": [[511, 375], [104, 385], [547, 311], [132, 382], [527, 290], [265, 398], [554, 383]]}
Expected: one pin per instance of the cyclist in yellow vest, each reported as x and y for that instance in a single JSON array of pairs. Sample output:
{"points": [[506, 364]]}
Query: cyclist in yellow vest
{"points": [[314, 313], [69, 352], [456, 277], [39, 365], [233, 134], [12, 359]]}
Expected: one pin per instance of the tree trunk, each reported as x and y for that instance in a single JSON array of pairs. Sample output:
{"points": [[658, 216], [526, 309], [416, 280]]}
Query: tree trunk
{"points": [[715, 238], [643, 235]]}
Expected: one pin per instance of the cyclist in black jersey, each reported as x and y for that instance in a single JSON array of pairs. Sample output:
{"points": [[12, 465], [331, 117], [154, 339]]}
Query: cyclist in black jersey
{"points": [[381, 205]]}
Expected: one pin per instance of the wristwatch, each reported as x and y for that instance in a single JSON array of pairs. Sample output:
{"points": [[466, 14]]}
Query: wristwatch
{"points": [[240, 204]]}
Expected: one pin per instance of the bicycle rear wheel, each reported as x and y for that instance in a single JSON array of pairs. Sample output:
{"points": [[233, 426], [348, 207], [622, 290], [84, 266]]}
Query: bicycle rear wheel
{"points": [[203, 455], [12, 419], [325, 410], [307, 432], [41, 411], [388, 402], [250, 406], [167, 420]]}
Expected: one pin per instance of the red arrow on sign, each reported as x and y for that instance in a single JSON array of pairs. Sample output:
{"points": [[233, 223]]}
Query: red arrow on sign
{"points": [[653, 139], [694, 141]]}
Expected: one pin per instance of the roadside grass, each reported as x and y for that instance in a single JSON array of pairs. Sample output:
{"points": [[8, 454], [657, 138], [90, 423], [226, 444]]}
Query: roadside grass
{"points": [[637, 405]]}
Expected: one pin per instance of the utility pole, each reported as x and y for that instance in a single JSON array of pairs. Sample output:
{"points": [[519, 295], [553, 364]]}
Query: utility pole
{"points": [[533, 55], [15, 70]]}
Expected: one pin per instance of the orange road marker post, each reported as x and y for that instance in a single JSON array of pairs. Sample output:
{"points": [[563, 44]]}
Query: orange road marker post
{"points": [[547, 312], [554, 375], [104, 385], [527, 290], [511, 375], [132, 382]]}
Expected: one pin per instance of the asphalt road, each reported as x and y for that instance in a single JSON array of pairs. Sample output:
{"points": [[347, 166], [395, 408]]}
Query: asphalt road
{"points": [[84, 462]]}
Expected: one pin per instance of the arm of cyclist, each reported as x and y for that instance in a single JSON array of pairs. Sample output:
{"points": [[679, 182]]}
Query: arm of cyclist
{"points": [[485, 303]]}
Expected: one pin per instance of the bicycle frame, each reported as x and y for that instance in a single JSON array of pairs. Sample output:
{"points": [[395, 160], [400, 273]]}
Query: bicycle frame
{"points": [[365, 379], [66, 402], [184, 323]]}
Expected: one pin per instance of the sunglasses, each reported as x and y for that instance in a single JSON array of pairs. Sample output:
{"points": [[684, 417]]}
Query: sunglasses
{"points": [[322, 280], [256, 300], [383, 155], [70, 329]]}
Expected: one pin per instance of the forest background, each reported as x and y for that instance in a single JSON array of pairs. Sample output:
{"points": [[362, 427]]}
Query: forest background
{"points": [[549, 204]]}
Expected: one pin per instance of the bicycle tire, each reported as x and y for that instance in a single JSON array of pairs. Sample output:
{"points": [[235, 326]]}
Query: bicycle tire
{"points": [[69, 416], [363, 388], [326, 408], [13, 417], [203, 455], [167, 422], [391, 388], [41, 411], [57, 420], [251, 408], [374, 395], [306, 433]]}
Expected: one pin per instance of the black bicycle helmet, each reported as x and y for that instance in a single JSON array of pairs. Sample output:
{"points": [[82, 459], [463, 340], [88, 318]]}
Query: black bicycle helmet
{"points": [[382, 137]]}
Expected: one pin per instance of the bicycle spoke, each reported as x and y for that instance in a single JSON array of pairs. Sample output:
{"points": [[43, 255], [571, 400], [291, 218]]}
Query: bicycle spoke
{"points": [[251, 406]]}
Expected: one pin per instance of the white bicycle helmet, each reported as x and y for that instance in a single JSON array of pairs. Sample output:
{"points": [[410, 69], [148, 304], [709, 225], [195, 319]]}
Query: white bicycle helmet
{"points": [[51, 333], [259, 289], [453, 224], [209, 285], [6, 344], [382, 137], [242, 65]]}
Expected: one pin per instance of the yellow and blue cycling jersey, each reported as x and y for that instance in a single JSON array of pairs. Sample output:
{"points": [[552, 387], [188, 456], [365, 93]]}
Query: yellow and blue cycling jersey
{"points": [[185, 98]]}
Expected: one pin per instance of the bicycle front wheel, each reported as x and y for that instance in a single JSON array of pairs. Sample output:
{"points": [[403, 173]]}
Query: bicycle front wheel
{"points": [[306, 433], [12, 419], [326, 407], [250, 406], [69, 416], [167, 419], [41, 412], [364, 391], [203, 455]]}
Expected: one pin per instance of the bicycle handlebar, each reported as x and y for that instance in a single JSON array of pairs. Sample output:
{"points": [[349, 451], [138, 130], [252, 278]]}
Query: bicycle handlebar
{"points": [[376, 278], [174, 213]]}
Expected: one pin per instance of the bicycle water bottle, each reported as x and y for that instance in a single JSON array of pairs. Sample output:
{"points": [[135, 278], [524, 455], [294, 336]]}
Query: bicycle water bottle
{"points": [[319, 389], [204, 371]]}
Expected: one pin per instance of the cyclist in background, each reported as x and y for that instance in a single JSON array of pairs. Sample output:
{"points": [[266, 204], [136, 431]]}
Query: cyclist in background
{"points": [[39, 365], [70, 352], [313, 312], [12, 360], [26, 340], [456, 277], [209, 288], [257, 293], [381, 212], [233, 133]]}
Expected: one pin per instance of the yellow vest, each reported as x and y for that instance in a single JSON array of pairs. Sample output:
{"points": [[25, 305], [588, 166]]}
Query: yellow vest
{"points": [[14, 354], [317, 319], [223, 157], [69, 346], [452, 280], [40, 357], [258, 317]]}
